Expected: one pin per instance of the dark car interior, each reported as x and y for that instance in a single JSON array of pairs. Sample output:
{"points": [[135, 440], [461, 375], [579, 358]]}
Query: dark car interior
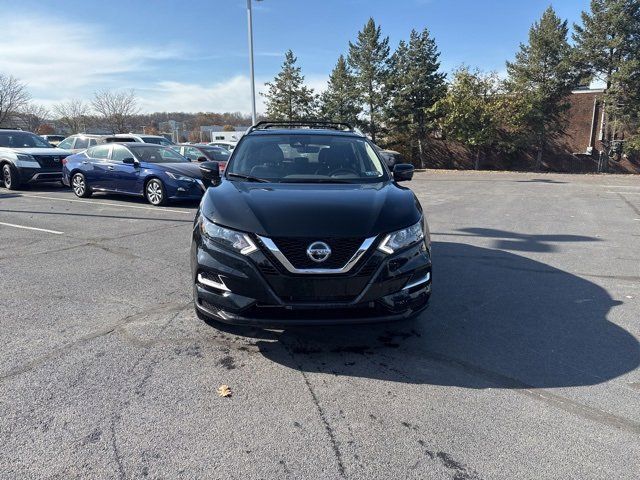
{"points": [[346, 159]]}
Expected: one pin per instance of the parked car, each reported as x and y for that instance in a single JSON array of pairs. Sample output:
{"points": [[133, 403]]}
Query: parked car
{"points": [[141, 138], [81, 141], [224, 144], [53, 139], [27, 158], [308, 226], [156, 172], [204, 153], [390, 157]]}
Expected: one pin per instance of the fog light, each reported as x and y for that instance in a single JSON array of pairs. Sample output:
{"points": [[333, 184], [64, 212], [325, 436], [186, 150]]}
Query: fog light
{"points": [[217, 284]]}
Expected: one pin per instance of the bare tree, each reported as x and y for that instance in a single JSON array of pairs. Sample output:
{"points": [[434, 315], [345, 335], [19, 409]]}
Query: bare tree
{"points": [[13, 96], [33, 116], [73, 114], [116, 108]]}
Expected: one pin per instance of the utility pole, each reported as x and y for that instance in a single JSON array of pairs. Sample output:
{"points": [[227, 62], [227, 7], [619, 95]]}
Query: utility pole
{"points": [[251, 72]]}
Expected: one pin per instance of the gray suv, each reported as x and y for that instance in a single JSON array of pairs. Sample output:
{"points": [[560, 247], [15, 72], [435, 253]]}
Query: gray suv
{"points": [[28, 158]]}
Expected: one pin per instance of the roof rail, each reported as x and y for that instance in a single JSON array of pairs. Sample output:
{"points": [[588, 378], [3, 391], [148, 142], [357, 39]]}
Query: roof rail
{"points": [[10, 128], [267, 124]]}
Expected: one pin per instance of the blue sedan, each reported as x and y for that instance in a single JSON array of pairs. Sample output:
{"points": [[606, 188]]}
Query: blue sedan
{"points": [[158, 173]]}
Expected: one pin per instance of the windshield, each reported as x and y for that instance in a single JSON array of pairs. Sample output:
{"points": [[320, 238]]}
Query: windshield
{"points": [[216, 153], [156, 140], [22, 140], [157, 154], [307, 159]]}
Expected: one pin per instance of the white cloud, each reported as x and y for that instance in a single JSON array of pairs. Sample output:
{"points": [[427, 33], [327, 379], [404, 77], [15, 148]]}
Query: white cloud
{"points": [[60, 59], [232, 95]]}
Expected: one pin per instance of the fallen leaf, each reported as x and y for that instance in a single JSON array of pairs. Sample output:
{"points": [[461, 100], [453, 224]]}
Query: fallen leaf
{"points": [[224, 391]]}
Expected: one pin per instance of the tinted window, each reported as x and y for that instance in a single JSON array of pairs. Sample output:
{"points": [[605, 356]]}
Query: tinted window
{"points": [[92, 142], [81, 142], [192, 153], [101, 151], [157, 154], [156, 140], [308, 158], [217, 154], [22, 140], [120, 153]]}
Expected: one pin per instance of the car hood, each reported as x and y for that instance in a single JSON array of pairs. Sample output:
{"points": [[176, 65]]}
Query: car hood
{"points": [[43, 151], [188, 169], [308, 210]]}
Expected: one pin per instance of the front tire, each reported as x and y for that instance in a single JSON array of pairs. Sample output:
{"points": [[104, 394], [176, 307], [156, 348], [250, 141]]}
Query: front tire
{"points": [[10, 177], [79, 185], [155, 192]]}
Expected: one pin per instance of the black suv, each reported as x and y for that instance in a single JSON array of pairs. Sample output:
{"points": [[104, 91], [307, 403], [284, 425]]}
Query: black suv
{"points": [[308, 226], [28, 158]]}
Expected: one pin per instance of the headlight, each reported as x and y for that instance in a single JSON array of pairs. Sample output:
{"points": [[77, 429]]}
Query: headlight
{"points": [[26, 161], [238, 241], [177, 176], [402, 238]]}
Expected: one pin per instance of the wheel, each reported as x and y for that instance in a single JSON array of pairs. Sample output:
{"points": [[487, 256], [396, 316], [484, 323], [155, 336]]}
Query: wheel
{"points": [[155, 192], [79, 185], [10, 177]]}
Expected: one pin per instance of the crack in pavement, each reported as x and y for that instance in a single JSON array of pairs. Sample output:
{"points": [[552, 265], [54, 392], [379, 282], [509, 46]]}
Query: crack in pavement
{"points": [[61, 351], [88, 243], [321, 413], [570, 406], [635, 209]]}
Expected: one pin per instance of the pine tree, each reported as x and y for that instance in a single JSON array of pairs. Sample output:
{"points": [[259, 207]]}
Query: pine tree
{"points": [[340, 101], [414, 85], [608, 47], [543, 72], [288, 98], [369, 58]]}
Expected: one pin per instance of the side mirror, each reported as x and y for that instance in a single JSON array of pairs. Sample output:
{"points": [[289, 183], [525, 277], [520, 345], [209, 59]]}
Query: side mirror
{"points": [[202, 159], [403, 172], [210, 173], [129, 161]]}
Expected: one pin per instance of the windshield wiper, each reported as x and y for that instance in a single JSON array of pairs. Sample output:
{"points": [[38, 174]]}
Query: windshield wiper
{"points": [[248, 178]]}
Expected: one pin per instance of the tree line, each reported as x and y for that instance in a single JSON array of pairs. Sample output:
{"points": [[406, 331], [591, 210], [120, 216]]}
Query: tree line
{"points": [[401, 99]]}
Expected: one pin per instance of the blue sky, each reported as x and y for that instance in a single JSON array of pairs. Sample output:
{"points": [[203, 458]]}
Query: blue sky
{"points": [[191, 55]]}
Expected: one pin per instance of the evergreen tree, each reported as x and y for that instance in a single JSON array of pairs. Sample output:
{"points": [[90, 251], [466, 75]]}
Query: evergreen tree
{"points": [[340, 101], [543, 73], [288, 98], [369, 58], [608, 47], [414, 85]]}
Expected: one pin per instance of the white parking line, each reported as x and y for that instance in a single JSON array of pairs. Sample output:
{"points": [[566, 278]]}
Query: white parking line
{"points": [[155, 209], [55, 232]]}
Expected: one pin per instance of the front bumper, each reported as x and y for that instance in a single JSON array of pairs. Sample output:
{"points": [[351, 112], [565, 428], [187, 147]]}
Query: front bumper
{"points": [[39, 175], [181, 190], [257, 290]]}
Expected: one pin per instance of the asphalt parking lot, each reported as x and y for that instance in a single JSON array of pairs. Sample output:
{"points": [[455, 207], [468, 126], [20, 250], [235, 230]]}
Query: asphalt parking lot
{"points": [[524, 366]]}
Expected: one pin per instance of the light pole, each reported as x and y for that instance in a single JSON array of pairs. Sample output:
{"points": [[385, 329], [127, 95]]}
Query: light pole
{"points": [[251, 73]]}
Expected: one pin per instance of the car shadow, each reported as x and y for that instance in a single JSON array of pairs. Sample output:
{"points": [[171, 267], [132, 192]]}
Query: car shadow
{"points": [[522, 242], [496, 319], [541, 180]]}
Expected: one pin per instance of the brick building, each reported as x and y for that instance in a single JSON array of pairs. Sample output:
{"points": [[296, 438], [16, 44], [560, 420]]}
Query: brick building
{"points": [[584, 131]]}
